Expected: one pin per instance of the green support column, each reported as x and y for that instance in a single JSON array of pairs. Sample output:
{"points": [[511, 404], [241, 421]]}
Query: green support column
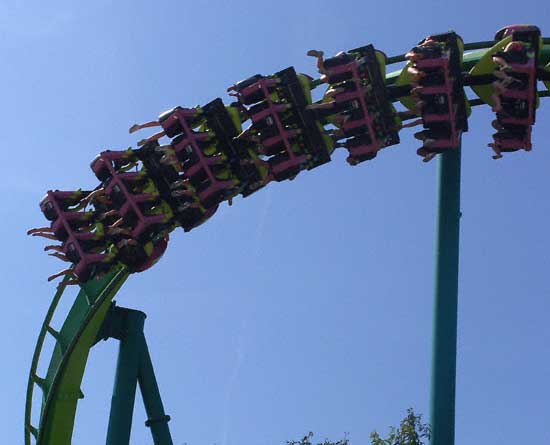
{"points": [[126, 378], [157, 419], [443, 384]]}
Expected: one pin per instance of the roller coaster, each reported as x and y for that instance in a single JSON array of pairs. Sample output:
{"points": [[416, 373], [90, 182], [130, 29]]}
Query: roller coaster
{"points": [[271, 132]]}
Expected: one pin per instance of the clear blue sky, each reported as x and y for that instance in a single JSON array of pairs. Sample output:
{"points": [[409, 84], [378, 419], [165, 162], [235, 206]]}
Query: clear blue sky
{"points": [[306, 307]]}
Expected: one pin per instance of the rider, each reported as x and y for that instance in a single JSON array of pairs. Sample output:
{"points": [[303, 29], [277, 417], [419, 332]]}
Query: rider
{"points": [[167, 115]]}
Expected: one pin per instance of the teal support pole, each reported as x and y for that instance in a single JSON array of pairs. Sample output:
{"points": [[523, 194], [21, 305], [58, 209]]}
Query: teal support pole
{"points": [[133, 366], [126, 378], [443, 380], [157, 419]]}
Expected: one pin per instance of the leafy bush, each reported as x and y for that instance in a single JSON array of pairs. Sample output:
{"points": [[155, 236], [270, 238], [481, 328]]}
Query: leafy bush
{"points": [[411, 431]]}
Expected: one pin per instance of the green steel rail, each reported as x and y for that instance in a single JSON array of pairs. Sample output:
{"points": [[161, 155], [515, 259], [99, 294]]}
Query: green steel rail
{"points": [[61, 385], [33, 377]]}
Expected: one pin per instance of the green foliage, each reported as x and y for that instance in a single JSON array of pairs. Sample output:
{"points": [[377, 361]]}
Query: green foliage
{"points": [[411, 431], [306, 440]]}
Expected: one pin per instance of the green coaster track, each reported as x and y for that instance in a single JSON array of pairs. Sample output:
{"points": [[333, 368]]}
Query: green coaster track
{"points": [[61, 386]]}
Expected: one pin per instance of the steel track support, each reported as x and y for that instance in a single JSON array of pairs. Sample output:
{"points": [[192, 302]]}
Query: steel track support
{"points": [[443, 380], [157, 419], [133, 366]]}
